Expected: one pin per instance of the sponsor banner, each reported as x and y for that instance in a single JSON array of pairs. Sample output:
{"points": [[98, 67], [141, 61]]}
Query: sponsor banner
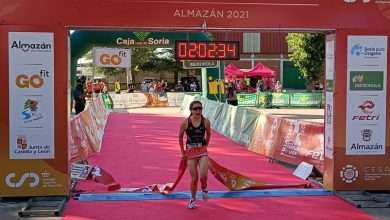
{"points": [[280, 99], [110, 57], [306, 99], [273, 99], [229, 178], [246, 99], [184, 103], [366, 133], [197, 64], [329, 104], [268, 126], [212, 109], [138, 100], [222, 123], [87, 129], [366, 81], [186, 110], [366, 95], [354, 173], [175, 98], [243, 125], [31, 95], [298, 141], [80, 145]]}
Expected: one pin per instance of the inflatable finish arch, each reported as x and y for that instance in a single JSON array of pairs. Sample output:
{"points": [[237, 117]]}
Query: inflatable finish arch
{"points": [[35, 48]]}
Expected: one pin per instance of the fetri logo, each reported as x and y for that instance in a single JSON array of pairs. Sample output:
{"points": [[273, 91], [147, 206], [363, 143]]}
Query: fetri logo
{"points": [[349, 173], [9, 180], [357, 50], [367, 107]]}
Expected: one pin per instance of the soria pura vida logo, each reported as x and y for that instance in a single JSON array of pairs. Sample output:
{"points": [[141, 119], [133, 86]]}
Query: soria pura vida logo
{"points": [[349, 173], [362, 50], [30, 111], [32, 47], [367, 107], [34, 81], [27, 178]]}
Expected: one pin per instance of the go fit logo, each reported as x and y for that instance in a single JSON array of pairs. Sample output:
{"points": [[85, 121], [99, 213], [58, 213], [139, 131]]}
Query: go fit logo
{"points": [[35, 81], [115, 59]]}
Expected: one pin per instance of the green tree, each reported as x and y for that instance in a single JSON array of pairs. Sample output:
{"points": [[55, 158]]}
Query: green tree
{"points": [[308, 55], [163, 60]]}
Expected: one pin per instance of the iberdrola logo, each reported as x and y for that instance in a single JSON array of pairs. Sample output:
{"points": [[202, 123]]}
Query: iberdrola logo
{"points": [[359, 78], [141, 35]]}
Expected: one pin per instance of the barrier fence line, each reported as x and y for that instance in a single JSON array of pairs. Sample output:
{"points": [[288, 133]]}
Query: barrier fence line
{"points": [[86, 130], [292, 141], [281, 99]]}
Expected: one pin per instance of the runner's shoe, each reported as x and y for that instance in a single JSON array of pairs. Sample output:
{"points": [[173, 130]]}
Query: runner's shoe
{"points": [[205, 194], [191, 204]]}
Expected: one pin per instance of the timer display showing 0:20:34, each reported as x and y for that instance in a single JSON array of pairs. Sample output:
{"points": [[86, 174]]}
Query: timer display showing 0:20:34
{"points": [[207, 50]]}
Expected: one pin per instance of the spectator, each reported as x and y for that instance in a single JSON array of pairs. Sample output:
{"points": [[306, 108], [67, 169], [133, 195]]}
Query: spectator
{"points": [[278, 87], [89, 86], [231, 95], [260, 87], [104, 87], [179, 87], [152, 87], [130, 86], [79, 97], [193, 87], [164, 86], [117, 87], [268, 84], [144, 86], [316, 86]]}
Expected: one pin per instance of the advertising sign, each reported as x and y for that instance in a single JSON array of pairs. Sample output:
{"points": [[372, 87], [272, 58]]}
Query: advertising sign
{"points": [[329, 104], [107, 57], [366, 95], [31, 95], [196, 64], [298, 141]]}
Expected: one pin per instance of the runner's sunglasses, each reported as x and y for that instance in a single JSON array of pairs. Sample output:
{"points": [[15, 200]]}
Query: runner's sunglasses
{"points": [[197, 108]]}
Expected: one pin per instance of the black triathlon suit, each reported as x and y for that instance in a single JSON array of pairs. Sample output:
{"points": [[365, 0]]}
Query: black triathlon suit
{"points": [[196, 137]]}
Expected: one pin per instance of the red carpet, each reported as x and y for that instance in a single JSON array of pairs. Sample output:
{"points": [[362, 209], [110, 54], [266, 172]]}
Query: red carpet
{"points": [[141, 149]]}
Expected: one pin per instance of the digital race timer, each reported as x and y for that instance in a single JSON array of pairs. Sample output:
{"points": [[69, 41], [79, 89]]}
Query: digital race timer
{"points": [[207, 50]]}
